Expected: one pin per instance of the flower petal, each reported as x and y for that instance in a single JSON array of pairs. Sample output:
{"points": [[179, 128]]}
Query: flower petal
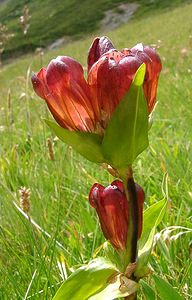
{"points": [[154, 57], [111, 78], [119, 185], [95, 199], [95, 194], [112, 208], [152, 60], [97, 49], [69, 92], [39, 83], [150, 87]]}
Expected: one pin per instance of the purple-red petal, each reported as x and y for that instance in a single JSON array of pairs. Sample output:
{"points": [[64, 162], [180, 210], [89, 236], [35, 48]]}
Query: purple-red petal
{"points": [[67, 94], [39, 83], [77, 104], [110, 78], [112, 209], [98, 48], [152, 60]]}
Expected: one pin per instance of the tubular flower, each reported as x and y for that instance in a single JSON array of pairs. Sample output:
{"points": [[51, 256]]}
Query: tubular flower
{"points": [[87, 105], [112, 208], [111, 73], [66, 92]]}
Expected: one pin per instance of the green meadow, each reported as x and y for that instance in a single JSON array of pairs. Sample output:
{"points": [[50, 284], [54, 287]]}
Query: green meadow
{"points": [[63, 232], [69, 18]]}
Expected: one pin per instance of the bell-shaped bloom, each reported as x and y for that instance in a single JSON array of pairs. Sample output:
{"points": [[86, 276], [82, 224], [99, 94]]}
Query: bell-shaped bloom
{"points": [[112, 208], [87, 105], [66, 92], [111, 73]]}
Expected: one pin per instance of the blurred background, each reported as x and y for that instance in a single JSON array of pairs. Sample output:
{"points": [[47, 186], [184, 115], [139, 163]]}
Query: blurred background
{"points": [[27, 25]]}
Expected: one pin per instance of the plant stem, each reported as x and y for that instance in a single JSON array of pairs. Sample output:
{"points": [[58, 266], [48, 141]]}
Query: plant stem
{"points": [[134, 215], [134, 222]]}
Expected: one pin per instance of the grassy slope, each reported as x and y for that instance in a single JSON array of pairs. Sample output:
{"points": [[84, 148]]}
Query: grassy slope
{"points": [[53, 19], [59, 189]]}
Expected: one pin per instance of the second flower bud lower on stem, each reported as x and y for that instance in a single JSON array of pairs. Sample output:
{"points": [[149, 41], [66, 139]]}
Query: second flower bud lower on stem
{"points": [[112, 207]]}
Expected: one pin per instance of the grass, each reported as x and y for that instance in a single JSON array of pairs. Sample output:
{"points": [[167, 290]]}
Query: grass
{"points": [[68, 18], [31, 263]]}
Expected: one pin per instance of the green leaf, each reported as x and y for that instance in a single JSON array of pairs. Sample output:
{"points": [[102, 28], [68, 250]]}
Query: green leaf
{"points": [[87, 280], [87, 144], [147, 291], [165, 290], [116, 289], [126, 135], [151, 219]]}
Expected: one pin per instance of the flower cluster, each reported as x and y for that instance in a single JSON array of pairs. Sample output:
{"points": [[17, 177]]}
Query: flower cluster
{"points": [[87, 105]]}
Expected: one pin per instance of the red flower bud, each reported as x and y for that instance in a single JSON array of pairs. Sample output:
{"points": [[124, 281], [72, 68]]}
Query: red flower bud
{"points": [[77, 104], [112, 208]]}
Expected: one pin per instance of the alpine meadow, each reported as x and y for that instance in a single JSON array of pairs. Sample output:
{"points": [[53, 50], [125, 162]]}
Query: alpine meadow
{"points": [[43, 243]]}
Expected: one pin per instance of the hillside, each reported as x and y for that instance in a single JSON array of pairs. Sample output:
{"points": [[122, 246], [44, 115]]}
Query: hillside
{"points": [[53, 19]]}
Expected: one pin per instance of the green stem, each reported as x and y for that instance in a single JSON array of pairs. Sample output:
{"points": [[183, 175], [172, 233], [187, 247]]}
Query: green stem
{"points": [[134, 217], [133, 223]]}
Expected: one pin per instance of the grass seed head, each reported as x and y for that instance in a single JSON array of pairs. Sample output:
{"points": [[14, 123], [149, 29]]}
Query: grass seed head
{"points": [[50, 149], [25, 199]]}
